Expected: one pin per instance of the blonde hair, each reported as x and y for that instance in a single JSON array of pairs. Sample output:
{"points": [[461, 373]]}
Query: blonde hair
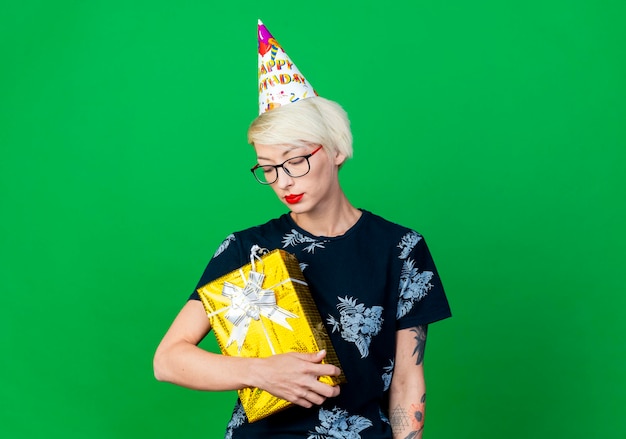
{"points": [[314, 120]]}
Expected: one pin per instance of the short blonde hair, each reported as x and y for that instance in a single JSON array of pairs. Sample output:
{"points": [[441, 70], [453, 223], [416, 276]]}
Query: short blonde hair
{"points": [[314, 120]]}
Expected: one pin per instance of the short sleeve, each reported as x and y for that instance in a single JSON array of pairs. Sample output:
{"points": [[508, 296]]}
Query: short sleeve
{"points": [[227, 258], [421, 297]]}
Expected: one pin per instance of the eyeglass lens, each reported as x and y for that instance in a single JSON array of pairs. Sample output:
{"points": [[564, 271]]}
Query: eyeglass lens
{"points": [[294, 167]]}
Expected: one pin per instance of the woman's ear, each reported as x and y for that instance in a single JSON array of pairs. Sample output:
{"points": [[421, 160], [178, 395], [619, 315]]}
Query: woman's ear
{"points": [[339, 159]]}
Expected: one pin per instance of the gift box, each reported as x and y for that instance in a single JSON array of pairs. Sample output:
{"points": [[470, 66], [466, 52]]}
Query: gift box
{"points": [[265, 308]]}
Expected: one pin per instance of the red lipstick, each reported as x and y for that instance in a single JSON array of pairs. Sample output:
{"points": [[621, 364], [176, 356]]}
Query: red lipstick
{"points": [[293, 199]]}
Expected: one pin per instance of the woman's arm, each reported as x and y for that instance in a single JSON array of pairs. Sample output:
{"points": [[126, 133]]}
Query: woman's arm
{"points": [[292, 376], [407, 397]]}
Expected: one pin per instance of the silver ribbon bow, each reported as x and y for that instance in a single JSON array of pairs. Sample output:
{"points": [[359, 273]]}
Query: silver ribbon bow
{"points": [[251, 302]]}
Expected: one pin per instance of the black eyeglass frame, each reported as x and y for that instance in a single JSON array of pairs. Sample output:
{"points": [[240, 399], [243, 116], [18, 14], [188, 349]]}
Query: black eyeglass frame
{"points": [[282, 165]]}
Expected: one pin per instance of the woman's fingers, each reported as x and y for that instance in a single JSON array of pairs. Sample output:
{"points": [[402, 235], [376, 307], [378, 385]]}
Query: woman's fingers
{"points": [[294, 377]]}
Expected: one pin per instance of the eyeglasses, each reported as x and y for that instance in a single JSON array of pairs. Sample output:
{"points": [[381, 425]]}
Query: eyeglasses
{"points": [[294, 167]]}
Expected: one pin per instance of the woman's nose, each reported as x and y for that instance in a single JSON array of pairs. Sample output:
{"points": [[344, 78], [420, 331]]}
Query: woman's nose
{"points": [[284, 180]]}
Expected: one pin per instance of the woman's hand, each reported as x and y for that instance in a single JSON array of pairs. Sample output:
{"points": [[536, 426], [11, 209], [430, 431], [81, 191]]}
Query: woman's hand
{"points": [[294, 377], [291, 376]]}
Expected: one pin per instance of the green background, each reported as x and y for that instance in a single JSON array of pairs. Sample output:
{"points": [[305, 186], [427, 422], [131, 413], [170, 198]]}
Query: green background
{"points": [[497, 129]]}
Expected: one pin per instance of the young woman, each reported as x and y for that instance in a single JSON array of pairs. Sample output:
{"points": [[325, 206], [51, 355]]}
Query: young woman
{"points": [[373, 281]]}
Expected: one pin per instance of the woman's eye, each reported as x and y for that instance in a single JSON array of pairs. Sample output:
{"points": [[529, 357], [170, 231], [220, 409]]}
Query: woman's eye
{"points": [[267, 169], [296, 161]]}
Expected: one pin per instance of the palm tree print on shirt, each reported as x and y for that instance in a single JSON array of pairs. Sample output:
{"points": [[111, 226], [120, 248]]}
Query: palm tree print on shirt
{"points": [[408, 243], [238, 419], [338, 424], [224, 245], [357, 323], [296, 238], [414, 284], [387, 375]]}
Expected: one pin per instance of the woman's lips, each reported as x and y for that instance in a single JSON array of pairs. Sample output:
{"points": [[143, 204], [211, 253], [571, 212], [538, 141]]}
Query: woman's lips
{"points": [[293, 199]]}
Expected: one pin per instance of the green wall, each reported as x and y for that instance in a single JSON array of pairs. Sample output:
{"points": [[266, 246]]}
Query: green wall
{"points": [[497, 129]]}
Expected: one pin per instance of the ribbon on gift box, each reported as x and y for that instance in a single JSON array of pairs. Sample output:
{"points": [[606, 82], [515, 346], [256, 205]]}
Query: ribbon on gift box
{"points": [[252, 301]]}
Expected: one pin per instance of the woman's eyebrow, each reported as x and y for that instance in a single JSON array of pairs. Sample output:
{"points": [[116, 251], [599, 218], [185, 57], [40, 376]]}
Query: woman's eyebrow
{"points": [[287, 152]]}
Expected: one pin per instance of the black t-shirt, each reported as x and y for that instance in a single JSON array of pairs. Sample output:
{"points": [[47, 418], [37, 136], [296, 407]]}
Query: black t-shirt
{"points": [[368, 283]]}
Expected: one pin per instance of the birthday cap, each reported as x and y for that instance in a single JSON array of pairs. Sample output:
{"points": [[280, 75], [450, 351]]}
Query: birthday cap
{"points": [[280, 81]]}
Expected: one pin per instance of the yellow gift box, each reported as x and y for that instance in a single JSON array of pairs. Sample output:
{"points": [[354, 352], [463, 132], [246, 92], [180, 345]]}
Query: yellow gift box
{"points": [[265, 308]]}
